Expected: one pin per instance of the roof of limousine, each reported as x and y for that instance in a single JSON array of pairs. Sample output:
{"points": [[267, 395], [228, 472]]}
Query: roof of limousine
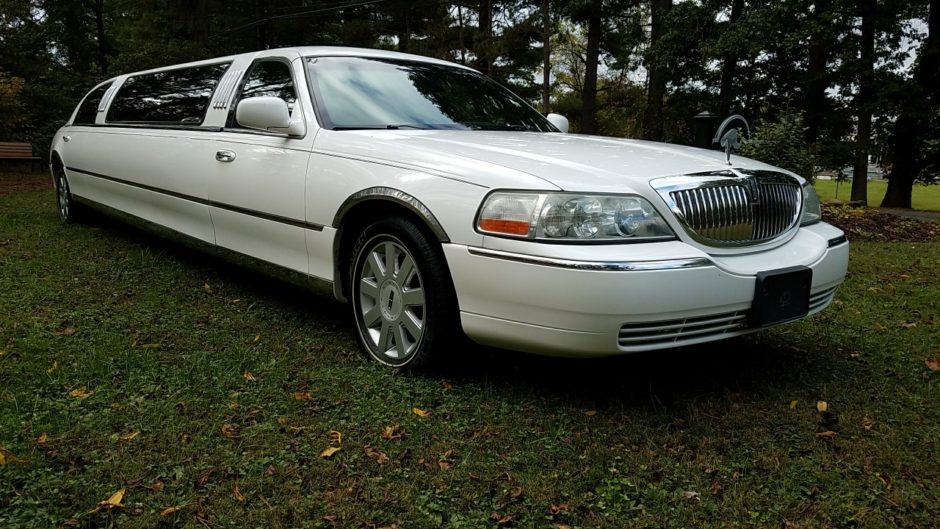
{"points": [[308, 51]]}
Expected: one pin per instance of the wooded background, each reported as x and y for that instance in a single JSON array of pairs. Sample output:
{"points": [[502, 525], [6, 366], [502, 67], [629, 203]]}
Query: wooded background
{"points": [[825, 84]]}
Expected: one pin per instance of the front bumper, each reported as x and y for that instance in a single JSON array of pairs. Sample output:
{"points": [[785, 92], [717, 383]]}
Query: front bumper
{"points": [[635, 298]]}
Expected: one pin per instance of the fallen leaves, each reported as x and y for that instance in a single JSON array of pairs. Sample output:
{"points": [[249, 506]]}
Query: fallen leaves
{"points": [[336, 439], [128, 437], [375, 455], [249, 376], [81, 393], [54, 367], [868, 423], [391, 432], [229, 430], [590, 413], [301, 396], [446, 461], [329, 451], [7, 457], [420, 413], [65, 331], [501, 519], [42, 439], [933, 364], [692, 495], [793, 404], [113, 502], [828, 434], [170, 510], [237, 493], [822, 406]]}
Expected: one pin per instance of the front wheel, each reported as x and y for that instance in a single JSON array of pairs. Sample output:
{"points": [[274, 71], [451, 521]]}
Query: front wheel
{"points": [[402, 299]]}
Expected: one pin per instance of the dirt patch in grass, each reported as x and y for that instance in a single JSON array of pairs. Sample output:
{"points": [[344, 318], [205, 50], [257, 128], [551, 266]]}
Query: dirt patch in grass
{"points": [[23, 181], [861, 224]]}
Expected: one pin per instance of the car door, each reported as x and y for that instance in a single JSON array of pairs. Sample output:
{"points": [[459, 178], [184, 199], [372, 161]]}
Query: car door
{"points": [[148, 154], [256, 187]]}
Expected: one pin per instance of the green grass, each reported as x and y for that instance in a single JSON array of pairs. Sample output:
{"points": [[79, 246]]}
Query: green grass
{"points": [[703, 437], [924, 197]]}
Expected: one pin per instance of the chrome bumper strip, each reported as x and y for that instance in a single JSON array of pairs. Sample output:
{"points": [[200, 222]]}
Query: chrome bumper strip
{"points": [[600, 266]]}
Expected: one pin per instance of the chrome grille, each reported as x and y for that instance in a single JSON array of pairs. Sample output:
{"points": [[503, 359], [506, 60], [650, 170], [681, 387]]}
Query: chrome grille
{"points": [[734, 209], [673, 333]]}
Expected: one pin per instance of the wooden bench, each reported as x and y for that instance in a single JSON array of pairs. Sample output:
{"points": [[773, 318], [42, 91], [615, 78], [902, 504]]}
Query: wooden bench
{"points": [[18, 152]]}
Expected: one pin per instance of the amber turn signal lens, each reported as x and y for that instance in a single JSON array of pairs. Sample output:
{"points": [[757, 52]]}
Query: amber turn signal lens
{"points": [[509, 227]]}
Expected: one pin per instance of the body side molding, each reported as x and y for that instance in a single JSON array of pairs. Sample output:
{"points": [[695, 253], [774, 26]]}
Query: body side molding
{"points": [[398, 197]]}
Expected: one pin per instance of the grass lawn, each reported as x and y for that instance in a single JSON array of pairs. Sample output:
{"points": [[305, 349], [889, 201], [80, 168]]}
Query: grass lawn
{"points": [[924, 197], [208, 394]]}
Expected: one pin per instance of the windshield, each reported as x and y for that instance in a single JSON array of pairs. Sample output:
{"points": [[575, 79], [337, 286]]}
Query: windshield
{"points": [[365, 93]]}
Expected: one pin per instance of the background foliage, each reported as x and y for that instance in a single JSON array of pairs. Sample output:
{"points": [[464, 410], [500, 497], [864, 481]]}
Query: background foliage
{"points": [[861, 76]]}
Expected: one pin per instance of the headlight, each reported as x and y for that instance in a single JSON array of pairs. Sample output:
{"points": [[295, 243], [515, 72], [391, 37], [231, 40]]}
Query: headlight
{"points": [[572, 218], [812, 213]]}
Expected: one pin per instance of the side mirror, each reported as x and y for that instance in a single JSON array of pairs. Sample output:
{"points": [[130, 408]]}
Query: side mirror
{"points": [[270, 114], [560, 122]]}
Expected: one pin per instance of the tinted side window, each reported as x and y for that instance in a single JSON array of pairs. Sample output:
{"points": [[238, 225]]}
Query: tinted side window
{"points": [[266, 78], [176, 97], [88, 110]]}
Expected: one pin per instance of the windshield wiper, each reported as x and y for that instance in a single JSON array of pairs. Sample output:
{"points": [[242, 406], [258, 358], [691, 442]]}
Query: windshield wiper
{"points": [[384, 127]]}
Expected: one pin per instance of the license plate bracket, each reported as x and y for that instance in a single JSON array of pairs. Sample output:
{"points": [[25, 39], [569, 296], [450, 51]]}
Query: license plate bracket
{"points": [[781, 296]]}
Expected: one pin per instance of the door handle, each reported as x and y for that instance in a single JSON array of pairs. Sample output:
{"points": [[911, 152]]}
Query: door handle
{"points": [[225, 156]]}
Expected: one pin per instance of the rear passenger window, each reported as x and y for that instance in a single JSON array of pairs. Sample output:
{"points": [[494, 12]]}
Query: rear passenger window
{"points": [[88, 110], [173, 97], [266, 78]]}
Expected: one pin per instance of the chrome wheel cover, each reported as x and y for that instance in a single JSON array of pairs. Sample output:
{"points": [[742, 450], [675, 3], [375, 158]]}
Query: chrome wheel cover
{"points": [[391, 300], [62, 195]]}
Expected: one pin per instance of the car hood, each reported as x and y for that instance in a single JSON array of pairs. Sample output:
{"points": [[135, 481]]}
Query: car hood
{"points": [[569, 162]]}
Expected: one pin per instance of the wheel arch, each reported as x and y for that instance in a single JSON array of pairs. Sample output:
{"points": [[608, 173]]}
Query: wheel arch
{"points": [[365, 207]]}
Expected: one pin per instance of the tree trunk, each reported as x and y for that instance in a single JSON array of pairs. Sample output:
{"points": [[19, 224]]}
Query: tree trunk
{"points": [[863, 101], [589, 94], [656, 89], [484, 46], [103, 48], [404, 32], [261, 30], [546, 56], [912, 128], [817, 74], [729, 66]]}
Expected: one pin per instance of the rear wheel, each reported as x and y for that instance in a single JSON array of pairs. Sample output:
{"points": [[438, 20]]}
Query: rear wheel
{"points": [[401, 296], [69, 211]]}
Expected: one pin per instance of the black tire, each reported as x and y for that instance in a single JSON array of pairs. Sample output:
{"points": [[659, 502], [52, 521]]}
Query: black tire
{"points": [[70, 212], [386, 305]]}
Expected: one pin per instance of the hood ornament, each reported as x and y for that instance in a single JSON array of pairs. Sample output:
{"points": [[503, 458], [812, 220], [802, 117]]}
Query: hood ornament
{"points": [[728, 137]]}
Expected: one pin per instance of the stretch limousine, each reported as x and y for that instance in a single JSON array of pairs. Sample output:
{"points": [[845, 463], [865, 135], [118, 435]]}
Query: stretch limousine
{"points": [[440, 205]]}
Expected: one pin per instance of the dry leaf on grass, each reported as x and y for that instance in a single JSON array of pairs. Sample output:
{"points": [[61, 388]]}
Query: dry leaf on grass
{"points": [[66, 331], [113, 502], [42, 439], [828, 434], [420, 413], [868, 423], [170, 510], [692, 495], [249, 376], [329, 451], [54, 368], [793, 404], [7, 456], [336, 438], [590, 413], [228, 430], [933, 364], [237, 493], [128, 437], [822, 405], [375, 455], [302, 395], [391, 432], [81, 393]]}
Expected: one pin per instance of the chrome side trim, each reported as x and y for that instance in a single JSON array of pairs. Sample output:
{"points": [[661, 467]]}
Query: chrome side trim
{"points": [[597, 266], [392, 195], [315, 284]]}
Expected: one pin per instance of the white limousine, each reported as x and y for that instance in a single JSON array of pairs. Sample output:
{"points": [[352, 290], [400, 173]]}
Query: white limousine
{"points": [[440, 205]]}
